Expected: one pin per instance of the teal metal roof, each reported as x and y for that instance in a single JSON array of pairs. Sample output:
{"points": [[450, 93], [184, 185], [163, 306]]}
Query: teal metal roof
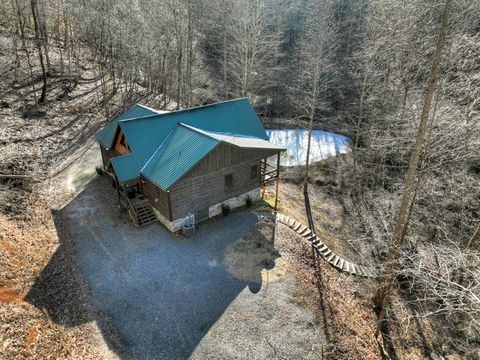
{"points": [[182, 150], [250, 142], [105, 135], [127, 167], [164, 150]]}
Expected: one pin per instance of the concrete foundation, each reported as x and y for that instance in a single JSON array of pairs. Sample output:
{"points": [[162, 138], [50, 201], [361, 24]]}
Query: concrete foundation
{"points": [[214, 210]]}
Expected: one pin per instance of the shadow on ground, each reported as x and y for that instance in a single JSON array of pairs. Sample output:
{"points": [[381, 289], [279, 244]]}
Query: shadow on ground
{"points": [[160, 292]]}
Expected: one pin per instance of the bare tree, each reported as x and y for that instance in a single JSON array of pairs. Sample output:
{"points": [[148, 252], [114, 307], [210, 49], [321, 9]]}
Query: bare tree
{"points": [[34, 8], [315, 70], [401, 225], [253, 51], [446, 282]]}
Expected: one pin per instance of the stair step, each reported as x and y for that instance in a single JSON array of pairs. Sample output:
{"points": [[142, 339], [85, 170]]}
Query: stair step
{"points": [[297, 226], [311, 238], [336, 260], [290, 222], [325, 249], [346, 266], [322, 247], [330, 256], [333, 259], [147, 222], [306, 232], [340, 263], [316, 241], [354, 269], [363, 271], [144, 214], [301, 229], [280, 217], [326, 252]]}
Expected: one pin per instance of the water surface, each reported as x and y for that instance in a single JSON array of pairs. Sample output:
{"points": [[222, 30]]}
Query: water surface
{"points": [[323, 145]]}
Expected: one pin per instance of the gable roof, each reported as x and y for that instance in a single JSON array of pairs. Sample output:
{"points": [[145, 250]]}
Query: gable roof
{"points": [[105, 135], [165, 146]]}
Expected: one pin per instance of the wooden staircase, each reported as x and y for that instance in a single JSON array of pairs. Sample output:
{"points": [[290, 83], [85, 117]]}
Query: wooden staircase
{"points": [[140, 211], [322, 249], [145, 214]]}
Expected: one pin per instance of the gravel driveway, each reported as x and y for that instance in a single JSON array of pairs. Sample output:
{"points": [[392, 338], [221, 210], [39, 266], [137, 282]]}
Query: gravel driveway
{"points": [[173, 298]]}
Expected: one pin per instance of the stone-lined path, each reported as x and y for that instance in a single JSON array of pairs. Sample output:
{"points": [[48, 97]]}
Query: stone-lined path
{"points": [[335, 260]]}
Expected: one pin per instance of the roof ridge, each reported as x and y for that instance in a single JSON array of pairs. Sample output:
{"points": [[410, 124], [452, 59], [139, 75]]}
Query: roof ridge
{"points": [[208, 132], [152, 109], [184, 110], [167, 138], [229, 138]]}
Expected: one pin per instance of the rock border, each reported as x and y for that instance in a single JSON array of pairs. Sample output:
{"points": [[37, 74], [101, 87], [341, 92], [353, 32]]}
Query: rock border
{"points": [[333, 259]]}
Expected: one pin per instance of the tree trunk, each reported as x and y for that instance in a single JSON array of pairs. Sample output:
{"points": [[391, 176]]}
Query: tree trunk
{"points": [[386, 279], [33, 4]]}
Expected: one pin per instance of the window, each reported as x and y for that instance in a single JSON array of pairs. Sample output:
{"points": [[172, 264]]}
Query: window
{"points": [[229, 182], [254, 172]]}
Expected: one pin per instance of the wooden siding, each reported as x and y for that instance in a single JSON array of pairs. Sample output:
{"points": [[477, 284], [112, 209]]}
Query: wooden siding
{"points": [[158, 197], [225, 156], [119, 147], [204, 185]]}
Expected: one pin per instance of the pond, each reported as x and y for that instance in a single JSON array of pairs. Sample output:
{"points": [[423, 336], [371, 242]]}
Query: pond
{"points": [[323, 145]]}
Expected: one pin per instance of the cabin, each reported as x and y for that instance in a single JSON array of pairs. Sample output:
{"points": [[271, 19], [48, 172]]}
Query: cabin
{"points": [[183, 166]]}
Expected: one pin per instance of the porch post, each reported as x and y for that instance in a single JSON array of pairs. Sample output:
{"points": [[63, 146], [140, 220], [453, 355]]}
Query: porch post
{"points": [[118, 192], [277, 178], [262, 176]]}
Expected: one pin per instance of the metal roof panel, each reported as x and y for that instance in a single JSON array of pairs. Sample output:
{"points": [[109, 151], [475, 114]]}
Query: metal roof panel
{"points": [[127, 167], [105, 135], [178, 155]]}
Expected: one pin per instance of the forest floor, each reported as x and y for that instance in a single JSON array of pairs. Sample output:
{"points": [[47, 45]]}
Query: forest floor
{"points": [[345, 302]]}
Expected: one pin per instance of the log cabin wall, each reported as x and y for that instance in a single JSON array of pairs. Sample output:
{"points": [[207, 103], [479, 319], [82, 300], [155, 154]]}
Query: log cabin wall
{"points": [[205, 184], [158, 198]]}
